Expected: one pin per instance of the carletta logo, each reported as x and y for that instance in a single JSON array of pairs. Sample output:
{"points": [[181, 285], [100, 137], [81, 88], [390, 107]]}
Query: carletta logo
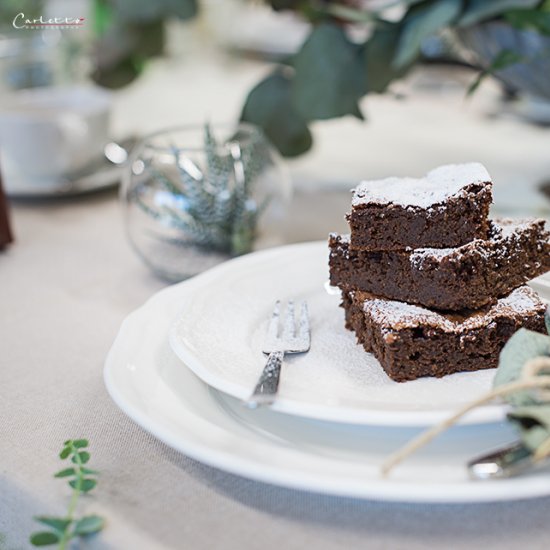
{"points": [[21, 22]]}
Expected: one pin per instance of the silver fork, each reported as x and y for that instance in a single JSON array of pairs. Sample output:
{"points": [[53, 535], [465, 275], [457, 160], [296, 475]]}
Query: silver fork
{"points": [[294, 338]]}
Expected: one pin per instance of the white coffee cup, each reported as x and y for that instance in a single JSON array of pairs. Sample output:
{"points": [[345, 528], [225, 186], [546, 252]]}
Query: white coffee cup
{"points": [[47, 134]]}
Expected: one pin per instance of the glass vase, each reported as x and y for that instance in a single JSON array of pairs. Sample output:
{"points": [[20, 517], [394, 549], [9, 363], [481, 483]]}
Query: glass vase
{"points": [[195, 196]]}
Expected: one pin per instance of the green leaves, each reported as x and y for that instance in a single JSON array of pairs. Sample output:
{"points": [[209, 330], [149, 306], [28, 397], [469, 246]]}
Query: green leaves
{"points": [[269, 106], [88, 525], [66, 472], [479, 10], [525, 356], [327, 82], [533, 423], [421, 21], [379, 52], [44, 538], [523, 346], [64, 529], [65, 453], [83, 484], [57, 524], [81, 458], [329, 75]]}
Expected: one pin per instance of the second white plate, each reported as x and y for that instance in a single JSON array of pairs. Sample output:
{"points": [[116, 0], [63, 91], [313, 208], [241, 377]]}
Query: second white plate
{"points": [[220, 332]]}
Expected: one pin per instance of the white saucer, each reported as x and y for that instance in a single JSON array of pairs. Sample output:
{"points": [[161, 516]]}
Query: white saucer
{"points": [[155, 389], [105, 177], [220, 331], [99, 175]]}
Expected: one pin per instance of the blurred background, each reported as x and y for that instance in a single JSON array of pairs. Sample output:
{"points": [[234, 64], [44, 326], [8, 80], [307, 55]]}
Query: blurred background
{"points": [[341, 91]]}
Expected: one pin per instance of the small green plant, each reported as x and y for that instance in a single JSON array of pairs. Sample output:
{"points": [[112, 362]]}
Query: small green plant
{"points": [[213, 206], [81, 480]]}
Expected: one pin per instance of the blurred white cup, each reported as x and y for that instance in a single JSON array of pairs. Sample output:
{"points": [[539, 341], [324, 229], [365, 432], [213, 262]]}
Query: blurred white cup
{"points": [[46, 134]]}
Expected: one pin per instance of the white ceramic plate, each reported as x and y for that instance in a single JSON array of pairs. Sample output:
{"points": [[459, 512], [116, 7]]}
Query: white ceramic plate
{"points": [[150, 384], [220, 332]]}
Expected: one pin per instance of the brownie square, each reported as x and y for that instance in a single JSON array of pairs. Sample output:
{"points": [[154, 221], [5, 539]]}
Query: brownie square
{"points": [[411, 341], [446, 208], [466, 277]]}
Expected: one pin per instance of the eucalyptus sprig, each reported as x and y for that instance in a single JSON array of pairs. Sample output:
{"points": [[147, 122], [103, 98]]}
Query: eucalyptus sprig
{"points": [[82, 480], [334, 69], [522, 380]]}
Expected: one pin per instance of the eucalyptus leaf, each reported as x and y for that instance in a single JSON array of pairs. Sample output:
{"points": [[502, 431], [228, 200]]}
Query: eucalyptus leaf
{"points": [[269, 106], [66, 472], [329, 75], [420, 22], [88, 525], [65, 453], [479, 10], [84, 457], [533, 424], [522, 346], [378, 54], [59, 524], [84, 486], [44, 538], [88, 471]]}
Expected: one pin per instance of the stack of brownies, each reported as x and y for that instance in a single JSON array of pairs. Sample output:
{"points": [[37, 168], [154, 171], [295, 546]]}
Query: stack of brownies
{"points": [[430, 284]]}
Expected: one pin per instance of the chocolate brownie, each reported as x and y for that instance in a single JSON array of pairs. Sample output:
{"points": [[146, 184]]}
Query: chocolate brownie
{"points": [[448, 207], [411, 341], [466, 277]]}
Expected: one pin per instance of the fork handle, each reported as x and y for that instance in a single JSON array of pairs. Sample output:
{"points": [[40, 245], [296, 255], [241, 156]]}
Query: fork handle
{"points": [[266, 388], [505, 462]]}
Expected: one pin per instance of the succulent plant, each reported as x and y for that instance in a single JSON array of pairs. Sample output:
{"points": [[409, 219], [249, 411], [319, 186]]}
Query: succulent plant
{"points": [[213, 206]]}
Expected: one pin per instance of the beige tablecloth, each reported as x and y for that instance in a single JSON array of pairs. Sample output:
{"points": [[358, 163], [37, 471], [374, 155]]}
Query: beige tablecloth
{"points": [[71, 278]]}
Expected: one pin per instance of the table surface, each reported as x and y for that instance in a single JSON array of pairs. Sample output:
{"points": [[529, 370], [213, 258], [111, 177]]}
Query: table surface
{"points": [[71, 278]]}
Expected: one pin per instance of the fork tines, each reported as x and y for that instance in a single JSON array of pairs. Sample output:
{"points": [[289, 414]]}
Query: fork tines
{"points": [[292, 337]]}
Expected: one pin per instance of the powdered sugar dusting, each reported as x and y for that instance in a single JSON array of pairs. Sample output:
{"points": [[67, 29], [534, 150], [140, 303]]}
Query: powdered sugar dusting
{"points": [[504, 241], [394, 315], [437, 186], [508, 226]]}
